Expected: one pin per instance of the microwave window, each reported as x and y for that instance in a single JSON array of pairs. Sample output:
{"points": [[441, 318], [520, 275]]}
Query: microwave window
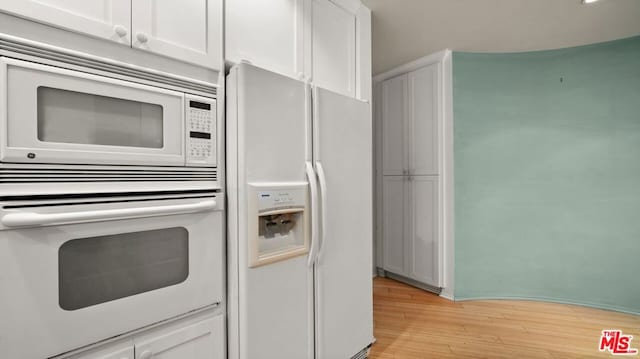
{"points": [[82, 118], [101, 269]]}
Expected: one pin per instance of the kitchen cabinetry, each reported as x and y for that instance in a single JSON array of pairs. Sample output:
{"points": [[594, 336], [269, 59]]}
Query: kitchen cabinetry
{"points": [[411, 109], [107, 19], [201, 336], [410, 228], [411, 118], [333, 47], [188, 30], [323, 41], [268, 34]]}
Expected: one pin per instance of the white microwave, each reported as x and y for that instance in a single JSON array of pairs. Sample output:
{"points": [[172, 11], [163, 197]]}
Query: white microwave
{"points": [[52, 115]]}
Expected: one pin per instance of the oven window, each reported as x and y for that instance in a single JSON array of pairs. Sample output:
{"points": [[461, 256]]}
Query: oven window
{"points": [[75, 117], [100, 269]]}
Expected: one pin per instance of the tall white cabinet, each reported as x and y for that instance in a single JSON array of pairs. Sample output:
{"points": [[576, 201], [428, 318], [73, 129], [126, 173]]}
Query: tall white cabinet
{"points": [[411, 125], [327, 42]]}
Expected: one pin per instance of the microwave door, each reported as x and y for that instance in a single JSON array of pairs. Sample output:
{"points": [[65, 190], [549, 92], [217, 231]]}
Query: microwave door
{"points": [[59, 116]]}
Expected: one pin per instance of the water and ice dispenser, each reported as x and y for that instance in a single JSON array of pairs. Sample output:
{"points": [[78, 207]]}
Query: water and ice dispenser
{"points": [[278, 222]]}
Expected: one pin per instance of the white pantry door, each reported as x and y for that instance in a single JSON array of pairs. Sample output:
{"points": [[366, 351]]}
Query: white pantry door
{"points": [[424, 108], [394, 126], [423, 249], [394, 224], [107, 19], [187, 30], [343, 161]]}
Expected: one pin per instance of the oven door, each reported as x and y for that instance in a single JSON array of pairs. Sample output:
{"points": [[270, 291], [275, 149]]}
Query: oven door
{"points": [[58, 116], [76, 274]]}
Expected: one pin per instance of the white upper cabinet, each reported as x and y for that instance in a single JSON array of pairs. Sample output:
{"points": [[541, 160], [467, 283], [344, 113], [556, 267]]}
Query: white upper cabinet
{"points": [[187, 30], [107, 19], [424, 107], [325, 41], [333, 47], [394, 144], [268, 34]]}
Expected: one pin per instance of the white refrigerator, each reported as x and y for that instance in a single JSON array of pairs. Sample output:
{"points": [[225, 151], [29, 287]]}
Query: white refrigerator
{"points": [[300, 214]]}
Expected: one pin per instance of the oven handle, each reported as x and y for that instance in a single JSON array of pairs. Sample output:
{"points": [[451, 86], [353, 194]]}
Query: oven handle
{"points": [[23, 219]]}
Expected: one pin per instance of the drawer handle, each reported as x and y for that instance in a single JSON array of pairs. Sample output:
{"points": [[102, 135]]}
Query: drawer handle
{"points": [[147, 354]]}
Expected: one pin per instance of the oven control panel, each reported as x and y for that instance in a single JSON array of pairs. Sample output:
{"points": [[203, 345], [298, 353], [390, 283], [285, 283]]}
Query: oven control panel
{"points": [[201, 131]]}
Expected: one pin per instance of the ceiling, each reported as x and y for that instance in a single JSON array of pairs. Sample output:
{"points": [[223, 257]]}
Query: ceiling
{"points": [[404, 30]]}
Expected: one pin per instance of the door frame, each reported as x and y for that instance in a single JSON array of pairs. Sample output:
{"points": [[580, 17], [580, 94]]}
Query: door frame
{"points": [[445, 163]]}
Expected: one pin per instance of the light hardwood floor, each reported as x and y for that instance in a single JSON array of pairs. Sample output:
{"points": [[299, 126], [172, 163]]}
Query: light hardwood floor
{"points": [[410, 323]]}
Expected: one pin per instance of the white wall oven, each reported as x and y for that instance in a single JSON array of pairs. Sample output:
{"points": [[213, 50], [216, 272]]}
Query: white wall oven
{"points": [[78, 271], [65, 123]]}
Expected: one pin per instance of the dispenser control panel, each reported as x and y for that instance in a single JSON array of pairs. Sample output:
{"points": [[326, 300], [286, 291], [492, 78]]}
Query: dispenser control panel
{"points": [[201, 131], [280, 198]]}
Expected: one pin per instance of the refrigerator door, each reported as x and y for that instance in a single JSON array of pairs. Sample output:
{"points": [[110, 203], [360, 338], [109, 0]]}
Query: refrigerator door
{"points": [[271, 304], [343, 278]]}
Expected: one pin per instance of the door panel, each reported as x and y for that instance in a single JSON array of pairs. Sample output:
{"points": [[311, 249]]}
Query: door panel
{"points": [[423, 238], [394, 155], [334, 47], [187, 30], [274, 301], [107, 19], [394, 224], [343, 154], [423, 114], [203, 339], [268, 34]]}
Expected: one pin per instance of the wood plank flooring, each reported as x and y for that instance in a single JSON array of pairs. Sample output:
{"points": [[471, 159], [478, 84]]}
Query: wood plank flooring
{"points": [[411, 323]]}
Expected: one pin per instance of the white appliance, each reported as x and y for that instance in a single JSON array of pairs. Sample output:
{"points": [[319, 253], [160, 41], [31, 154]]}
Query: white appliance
{"points": [[81, 270], [60, 122], [300, 220]]}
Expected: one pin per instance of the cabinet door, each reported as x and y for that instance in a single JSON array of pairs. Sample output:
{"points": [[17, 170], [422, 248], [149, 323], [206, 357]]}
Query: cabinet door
{"points": [[121, 350], [203, 339], [107, 19], [394, 144], [394, 224], [268, 34], [423, 249], [424, 107], [187, 30], [333, 47]]}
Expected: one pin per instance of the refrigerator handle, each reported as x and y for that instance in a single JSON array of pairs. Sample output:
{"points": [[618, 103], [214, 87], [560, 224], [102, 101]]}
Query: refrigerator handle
{"points": [[323, 205], [313, 185]]}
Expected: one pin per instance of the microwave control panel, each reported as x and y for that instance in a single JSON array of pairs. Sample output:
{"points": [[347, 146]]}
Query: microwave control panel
{"points": [[201, 131]]}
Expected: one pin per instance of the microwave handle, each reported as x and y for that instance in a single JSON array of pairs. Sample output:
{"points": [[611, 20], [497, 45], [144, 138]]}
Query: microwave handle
{"points": [[23, 219]]}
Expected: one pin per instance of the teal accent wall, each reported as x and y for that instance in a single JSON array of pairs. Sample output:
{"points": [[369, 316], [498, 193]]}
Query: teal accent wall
{"points": [[547, 175]]}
